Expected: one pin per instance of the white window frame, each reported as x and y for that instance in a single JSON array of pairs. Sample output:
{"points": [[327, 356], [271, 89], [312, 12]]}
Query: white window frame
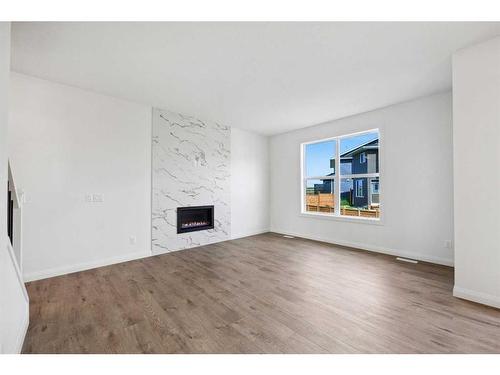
{"points": [[337, 180], [359, 183]]}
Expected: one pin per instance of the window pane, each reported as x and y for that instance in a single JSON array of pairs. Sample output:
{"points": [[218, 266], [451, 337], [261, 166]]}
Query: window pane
{"points": [[360, 197], [359, 154], [320, 159], [320, 196]]}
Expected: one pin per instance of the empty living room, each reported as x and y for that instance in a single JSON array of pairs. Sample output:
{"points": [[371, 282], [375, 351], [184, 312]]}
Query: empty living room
{"points": [[233, 186]]}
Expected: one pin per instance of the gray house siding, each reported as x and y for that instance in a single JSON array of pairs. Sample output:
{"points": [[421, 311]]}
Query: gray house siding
{"points": [[372, 161], [369, 166], [350, 164], [360, 201]]}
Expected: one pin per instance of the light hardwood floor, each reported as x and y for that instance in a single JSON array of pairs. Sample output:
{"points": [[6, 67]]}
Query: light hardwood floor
{"points": [[260, 294]]}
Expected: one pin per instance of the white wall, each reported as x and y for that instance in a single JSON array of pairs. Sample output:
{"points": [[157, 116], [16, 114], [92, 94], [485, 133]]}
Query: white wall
{"points": [[13, 301], [4, 105], [249, 183], [66, 143], [416, 181], [476, 140]]}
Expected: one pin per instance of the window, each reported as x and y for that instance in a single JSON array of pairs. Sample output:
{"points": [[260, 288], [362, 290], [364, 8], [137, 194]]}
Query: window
{"points": [[355, 189], [319, 182], [359, 189]]}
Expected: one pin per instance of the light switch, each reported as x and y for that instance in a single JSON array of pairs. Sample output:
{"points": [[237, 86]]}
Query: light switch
{"points": [[98, 198]]}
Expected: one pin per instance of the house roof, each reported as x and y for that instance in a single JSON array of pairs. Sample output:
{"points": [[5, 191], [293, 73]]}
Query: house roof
{"points": [[370, 145]]}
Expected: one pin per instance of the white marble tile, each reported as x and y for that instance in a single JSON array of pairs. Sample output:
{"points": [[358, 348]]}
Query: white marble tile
{"points": [[191, 167]]}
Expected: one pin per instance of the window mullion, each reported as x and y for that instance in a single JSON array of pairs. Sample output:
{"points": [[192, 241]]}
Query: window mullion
{"points": [[337, 179], [361, 175], [320, 178]]}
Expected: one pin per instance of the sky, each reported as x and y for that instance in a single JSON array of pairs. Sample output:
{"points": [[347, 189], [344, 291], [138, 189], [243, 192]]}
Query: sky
{"points": [[318, 155]]}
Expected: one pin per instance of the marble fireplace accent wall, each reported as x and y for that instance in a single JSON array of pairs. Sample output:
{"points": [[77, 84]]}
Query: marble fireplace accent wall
{"points": [[191, 167]]}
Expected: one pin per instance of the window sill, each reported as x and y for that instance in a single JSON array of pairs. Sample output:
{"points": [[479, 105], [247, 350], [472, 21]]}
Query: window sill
{"points": [[347, 219]]}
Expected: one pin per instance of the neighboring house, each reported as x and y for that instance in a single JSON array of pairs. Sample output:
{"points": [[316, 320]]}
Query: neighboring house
{"points": [[364, 159], [360, 192], [326, 185]]}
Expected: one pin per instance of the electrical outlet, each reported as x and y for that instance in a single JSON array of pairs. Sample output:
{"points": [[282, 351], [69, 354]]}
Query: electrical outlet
{"points": [[448, 244], [132, 240], [88, 198]]}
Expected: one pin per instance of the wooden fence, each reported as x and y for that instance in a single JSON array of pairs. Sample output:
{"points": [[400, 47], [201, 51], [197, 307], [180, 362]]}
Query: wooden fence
{"points": [[320, 202], [325, 203], [361, 212]]}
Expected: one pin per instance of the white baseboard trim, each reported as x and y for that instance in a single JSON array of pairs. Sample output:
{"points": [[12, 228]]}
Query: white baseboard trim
{"points": [[23, 331], [472, 295], [375, 249], [64, 270], [235, 236]]}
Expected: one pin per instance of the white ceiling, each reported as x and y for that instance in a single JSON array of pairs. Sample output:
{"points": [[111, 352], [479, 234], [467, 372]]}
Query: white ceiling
{"points": [[265, 77]]}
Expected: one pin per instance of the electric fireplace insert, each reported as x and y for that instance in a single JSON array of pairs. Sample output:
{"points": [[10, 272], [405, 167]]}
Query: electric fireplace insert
{"points": [[191, 219]]}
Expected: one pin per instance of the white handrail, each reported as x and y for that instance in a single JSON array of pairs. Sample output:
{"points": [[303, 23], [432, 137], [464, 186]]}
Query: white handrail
{"points": [[17, 199], [16, 196]]}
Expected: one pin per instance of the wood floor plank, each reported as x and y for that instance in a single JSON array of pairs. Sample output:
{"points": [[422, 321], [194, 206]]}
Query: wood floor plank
{"points": [[259, 294]]}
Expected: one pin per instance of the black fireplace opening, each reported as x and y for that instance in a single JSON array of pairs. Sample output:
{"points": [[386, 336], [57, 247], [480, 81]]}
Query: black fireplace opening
{"points": [[191, 219]]}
